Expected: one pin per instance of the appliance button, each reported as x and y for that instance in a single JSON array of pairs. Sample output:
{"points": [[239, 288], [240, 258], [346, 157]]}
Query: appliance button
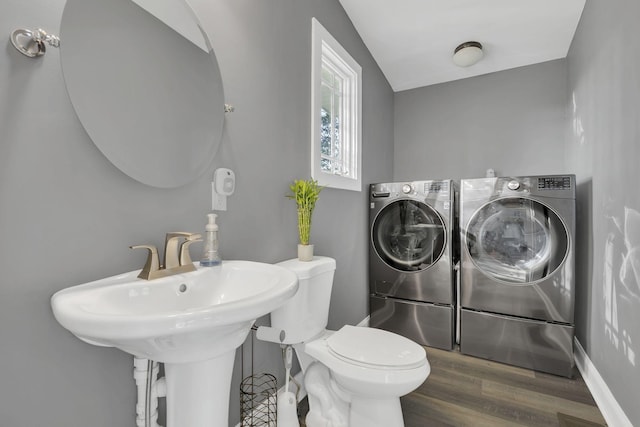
{"points": [[406, 189], [513, 185]]}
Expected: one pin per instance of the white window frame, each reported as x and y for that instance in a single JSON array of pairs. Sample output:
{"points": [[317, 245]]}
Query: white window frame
{"points": [[327, 51]]}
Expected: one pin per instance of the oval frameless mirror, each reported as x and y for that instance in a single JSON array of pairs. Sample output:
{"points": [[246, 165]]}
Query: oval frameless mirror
{"points": [[146, 86]]}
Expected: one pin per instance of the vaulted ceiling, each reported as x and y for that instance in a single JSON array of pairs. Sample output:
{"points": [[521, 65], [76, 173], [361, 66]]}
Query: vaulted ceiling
{"points": [[413, 40]]}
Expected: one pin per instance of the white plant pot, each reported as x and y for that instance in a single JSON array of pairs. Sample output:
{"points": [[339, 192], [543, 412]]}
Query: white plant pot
{"points": [[305, 252]]}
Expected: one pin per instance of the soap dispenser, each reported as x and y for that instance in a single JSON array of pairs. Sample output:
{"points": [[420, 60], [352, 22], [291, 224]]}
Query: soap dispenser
{"points": [[211, 256]]}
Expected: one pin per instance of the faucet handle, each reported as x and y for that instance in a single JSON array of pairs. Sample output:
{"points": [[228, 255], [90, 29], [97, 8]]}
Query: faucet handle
{"points": [[171, 253], [152, 263], [185, 257], [184, 234]]}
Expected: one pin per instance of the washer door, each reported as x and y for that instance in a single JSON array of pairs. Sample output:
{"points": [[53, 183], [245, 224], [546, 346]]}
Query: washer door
{"points": [[408, 235], [517, 240]]}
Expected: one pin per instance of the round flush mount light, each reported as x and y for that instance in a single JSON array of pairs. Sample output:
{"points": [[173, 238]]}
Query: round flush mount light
{"points": [[467, 54]]}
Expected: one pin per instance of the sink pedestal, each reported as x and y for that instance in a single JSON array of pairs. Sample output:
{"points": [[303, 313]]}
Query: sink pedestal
{"points": [[192, 322], [198, 392]]}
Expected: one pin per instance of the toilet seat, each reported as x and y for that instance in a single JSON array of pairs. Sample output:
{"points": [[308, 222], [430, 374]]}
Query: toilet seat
{"points": [[364, 368], [375, 348]]}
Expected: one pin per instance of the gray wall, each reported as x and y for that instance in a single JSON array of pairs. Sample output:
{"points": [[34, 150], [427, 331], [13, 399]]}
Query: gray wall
{"points": [[67, 215], [603, 150], [512, 121]]}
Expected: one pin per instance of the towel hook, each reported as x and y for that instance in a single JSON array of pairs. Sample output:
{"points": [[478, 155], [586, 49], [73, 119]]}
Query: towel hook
{"points": [[33, 43]]}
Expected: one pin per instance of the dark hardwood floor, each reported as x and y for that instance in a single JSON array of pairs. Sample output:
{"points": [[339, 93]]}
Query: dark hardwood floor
{"points": [[464, 391]]}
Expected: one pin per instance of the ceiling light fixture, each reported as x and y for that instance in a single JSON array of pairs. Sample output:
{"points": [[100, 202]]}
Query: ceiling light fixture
{"points": [[467, 54]]}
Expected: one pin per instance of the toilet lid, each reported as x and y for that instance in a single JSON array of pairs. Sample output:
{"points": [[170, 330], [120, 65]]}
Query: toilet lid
{"points": [[376, 347]]}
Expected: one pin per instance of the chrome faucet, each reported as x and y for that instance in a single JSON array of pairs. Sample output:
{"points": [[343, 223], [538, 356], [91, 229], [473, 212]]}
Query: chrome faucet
{"points": [[176, 256]]}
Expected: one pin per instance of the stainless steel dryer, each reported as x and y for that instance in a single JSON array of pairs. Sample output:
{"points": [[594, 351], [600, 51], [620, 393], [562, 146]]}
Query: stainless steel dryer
{"points": [[411, 253], [517, 270]]}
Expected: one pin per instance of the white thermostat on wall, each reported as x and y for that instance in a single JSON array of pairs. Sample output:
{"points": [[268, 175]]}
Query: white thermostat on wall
{"points": [[223, 185], [225, 181]]}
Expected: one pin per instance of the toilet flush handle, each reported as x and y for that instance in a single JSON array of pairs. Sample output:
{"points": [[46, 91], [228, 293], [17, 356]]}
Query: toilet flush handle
{"points": [[269, 334]]}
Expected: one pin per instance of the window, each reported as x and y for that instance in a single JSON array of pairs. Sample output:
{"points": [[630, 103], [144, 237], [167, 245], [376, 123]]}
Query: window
{"points": [[336, 96]]}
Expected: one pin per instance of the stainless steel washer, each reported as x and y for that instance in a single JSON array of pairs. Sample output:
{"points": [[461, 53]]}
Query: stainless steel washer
{"points": [[411, 254], [517, 270]]}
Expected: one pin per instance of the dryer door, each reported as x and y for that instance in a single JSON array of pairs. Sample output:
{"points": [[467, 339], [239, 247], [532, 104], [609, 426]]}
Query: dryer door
{"points": [[517, 240], [408, 235]]}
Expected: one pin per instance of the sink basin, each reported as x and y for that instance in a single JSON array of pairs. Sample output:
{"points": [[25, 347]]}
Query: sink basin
{"points": [[192, 322], [175, 319]]}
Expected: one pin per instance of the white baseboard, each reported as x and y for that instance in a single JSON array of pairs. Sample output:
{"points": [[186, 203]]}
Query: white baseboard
{"points": [[611, 410]]}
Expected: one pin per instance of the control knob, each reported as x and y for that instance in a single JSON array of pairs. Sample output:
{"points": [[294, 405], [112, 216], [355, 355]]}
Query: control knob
{"points": [[513, 185], [406, 189]]}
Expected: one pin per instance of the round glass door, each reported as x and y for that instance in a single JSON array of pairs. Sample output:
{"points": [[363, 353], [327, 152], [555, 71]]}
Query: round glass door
{"points": [[408, 235], [517, 240]]}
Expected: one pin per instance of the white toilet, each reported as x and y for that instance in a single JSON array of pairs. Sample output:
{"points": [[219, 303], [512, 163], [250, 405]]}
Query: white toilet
{"points": [[355, 376]]}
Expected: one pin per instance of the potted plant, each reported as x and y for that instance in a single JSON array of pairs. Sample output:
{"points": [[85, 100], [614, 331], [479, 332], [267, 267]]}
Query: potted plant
{"points": [[305, 193]]}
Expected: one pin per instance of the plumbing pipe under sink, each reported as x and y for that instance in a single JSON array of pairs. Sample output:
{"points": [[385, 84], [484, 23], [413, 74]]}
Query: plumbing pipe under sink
{"points": [[150, 388]]}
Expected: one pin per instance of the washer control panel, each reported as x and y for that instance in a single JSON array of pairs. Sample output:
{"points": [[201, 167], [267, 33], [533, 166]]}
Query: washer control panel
{"points": [[433, 189], [436, 187]]}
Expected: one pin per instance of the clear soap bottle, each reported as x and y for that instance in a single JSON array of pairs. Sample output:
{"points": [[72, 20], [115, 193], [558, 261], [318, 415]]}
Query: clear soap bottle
{"points": [[211, 255]]}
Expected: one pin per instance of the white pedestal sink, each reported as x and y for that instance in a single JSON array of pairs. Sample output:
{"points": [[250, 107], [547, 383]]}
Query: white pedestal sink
{"points": [[192, 322]]}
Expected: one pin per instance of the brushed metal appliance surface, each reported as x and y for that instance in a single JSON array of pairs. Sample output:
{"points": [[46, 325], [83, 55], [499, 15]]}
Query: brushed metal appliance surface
{"points": [[517, 250], [411, 258]]}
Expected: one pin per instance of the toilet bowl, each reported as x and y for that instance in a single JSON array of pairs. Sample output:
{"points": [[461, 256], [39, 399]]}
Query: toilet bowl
{"points": [[355, 376]]}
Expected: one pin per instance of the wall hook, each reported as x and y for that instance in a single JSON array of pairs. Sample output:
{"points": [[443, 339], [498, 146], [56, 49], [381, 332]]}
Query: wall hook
{"points": [[33, 43]]}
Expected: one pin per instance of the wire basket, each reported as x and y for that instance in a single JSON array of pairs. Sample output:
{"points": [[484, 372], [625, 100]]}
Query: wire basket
{"points": [[258, 401]]}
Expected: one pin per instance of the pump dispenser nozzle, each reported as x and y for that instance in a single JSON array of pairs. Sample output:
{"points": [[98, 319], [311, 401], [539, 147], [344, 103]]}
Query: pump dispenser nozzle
{"points": [[211, 225], [211, 256]]}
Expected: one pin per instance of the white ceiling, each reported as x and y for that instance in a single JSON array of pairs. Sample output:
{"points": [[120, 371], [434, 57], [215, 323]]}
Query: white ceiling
{"points": [[413, 40]]}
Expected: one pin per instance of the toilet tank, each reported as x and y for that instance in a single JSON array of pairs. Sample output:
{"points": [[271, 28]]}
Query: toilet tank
{"points": [[306, 314]]}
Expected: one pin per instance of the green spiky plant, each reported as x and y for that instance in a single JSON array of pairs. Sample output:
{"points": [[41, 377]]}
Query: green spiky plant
{"points": [[305, 193]]}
